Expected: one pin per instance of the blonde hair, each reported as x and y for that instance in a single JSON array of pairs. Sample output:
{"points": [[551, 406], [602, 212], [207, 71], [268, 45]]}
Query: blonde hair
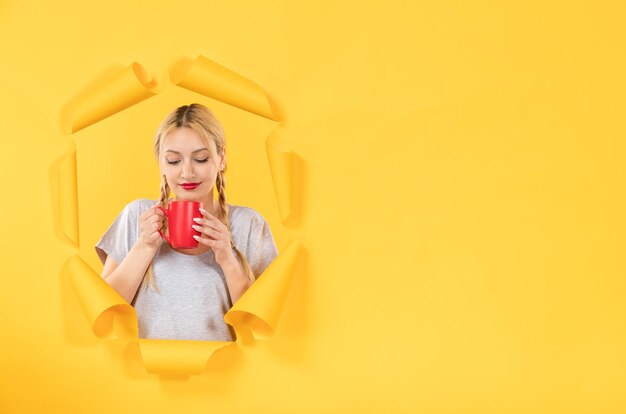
{"points": [[201, 120]]}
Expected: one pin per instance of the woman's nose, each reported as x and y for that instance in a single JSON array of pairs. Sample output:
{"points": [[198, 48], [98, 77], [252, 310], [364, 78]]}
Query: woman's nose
{"points": [[188, 170]]}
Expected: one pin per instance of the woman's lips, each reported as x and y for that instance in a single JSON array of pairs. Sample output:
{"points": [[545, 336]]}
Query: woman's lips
{"points": [[189, 186]]}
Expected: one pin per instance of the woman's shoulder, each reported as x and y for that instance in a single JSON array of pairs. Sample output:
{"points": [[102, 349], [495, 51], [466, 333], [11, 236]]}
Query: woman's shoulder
{"points": [[239, 213], [139, 205]]}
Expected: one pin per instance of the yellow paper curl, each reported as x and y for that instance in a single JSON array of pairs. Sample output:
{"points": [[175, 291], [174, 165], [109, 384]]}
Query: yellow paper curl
{"points": [[282, 161], [66, 207], [122, 90], [215, 81], [257, 312], [171, 357], [101, 303]]}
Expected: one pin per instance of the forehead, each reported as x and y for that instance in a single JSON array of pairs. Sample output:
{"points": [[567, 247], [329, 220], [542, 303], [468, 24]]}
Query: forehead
{"points": [[185, 141]]}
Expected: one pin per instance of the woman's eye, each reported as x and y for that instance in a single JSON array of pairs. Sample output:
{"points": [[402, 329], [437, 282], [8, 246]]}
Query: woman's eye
{"points": [[176, 162]]}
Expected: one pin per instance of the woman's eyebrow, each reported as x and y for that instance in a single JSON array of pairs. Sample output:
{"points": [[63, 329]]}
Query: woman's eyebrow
{"points": [[193, 152]]}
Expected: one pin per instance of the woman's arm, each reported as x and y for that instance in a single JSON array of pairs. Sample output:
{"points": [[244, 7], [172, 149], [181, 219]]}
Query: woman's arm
{"points": [[236, 279], [126, 277]]}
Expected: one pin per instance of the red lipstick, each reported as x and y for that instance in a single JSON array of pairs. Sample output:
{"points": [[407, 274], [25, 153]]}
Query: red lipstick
{"points": [[190, 186]]}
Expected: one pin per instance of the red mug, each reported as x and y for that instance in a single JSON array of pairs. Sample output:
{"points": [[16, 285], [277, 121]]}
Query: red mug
{"points": [[180, 215]]}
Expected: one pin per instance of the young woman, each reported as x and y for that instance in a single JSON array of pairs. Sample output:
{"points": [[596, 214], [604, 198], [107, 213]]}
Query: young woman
{"points": [[184, 294]]}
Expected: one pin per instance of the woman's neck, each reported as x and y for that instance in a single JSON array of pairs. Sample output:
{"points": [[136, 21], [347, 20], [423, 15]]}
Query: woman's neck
{"points": [[211, 205]]}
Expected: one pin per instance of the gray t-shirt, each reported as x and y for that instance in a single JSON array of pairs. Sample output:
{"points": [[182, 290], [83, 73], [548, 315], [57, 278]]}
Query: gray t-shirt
{"points": [[193, 295]]}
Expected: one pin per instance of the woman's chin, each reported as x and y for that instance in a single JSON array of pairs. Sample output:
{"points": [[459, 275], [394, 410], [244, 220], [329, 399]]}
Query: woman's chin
{"points": [[188, 197]]}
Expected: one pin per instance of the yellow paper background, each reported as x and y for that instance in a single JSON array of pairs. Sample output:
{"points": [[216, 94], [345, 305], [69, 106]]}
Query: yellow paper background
{"points": [[460, 180]]}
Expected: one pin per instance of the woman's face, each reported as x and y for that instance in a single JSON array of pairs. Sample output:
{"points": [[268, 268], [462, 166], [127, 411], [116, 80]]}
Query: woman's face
{"points": [[186, 159]]}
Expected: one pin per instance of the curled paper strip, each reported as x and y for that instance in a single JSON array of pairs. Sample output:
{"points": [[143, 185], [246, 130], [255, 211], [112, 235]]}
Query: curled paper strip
{"points": [[101, 303], [125, 88], [169, 357], [282, 168], [215, 81], [255, 314], [66, 212]]}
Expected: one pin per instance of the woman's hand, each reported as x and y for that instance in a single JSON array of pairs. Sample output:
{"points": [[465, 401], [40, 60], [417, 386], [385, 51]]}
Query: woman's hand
{"points": [[149, 223], [216, 235]]}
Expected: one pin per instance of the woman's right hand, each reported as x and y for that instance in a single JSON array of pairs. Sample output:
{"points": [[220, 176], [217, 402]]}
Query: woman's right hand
{"points": [[149, 223]]}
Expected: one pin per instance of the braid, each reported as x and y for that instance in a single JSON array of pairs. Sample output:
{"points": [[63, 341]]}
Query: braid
{"points": [[164, 199], [148, 278], [220, 183]]}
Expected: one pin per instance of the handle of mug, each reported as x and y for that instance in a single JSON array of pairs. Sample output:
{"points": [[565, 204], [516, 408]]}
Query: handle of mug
{"points": [[160, 232]]}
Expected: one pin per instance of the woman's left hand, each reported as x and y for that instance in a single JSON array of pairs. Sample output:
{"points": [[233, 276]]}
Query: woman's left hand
{"points": [[214, 234]]}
